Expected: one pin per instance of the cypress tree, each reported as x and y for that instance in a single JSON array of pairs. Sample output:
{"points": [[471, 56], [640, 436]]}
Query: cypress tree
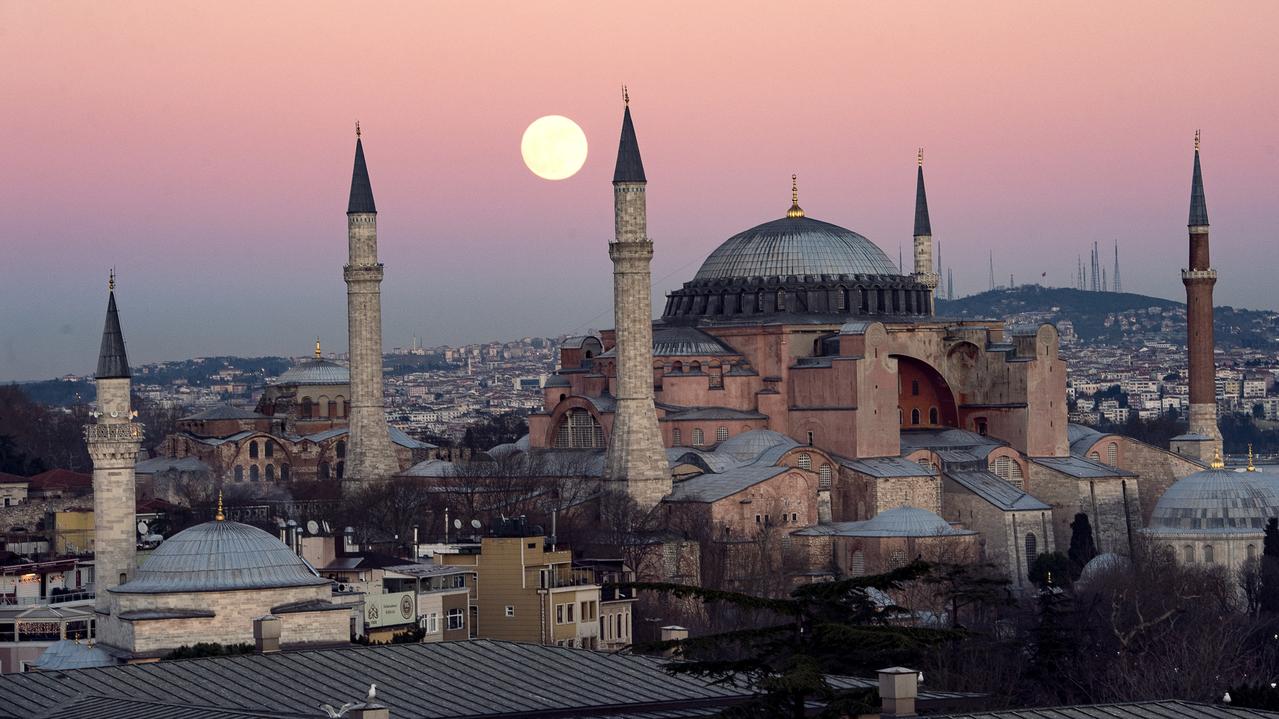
{"points": [[1269, 599], [1082, 546]]}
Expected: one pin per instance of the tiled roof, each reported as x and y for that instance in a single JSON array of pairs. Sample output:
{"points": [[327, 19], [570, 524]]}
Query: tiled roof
{"points": [[60, 479], [1169, 709]]}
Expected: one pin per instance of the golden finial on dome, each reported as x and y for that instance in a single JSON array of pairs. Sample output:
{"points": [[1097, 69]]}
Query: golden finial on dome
{"points": [[357, 129], [919, 157], [795, 210], [1216, 460], [1251, 467], [318, 354], [626, 96], [1196, 141], [111, 281], [219, 516]]}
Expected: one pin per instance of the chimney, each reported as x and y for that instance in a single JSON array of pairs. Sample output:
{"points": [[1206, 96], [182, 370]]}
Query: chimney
{"points": [[898, 688], [266, 634], [671, 633], [370, 710]]}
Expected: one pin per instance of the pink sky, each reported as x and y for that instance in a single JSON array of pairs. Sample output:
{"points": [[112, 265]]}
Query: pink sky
{"points": [[205, 149]]}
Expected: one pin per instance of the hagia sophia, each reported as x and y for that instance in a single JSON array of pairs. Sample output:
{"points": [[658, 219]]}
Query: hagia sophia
{"points": [[799, 385]]}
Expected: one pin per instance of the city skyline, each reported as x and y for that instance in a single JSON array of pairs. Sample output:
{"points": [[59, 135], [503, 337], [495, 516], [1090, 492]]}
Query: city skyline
{"points": [[209, 163]]}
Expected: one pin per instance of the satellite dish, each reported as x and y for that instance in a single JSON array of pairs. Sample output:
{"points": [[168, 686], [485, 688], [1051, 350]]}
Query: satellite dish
{"points": [[475, 524], [142, 528], [325, 525], [457, 524], [312, 527]]}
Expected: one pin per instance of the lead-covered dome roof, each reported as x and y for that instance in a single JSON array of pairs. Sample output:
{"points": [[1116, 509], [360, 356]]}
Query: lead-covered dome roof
{"points": [[316, 371], [220, 556], [1215, 500], [795, 246]]}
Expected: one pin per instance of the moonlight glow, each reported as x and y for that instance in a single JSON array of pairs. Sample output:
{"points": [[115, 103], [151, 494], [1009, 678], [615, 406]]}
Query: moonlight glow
{"points": [[554, 147]]}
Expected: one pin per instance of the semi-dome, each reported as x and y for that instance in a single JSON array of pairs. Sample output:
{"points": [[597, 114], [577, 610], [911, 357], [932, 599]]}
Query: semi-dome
{"points": [[747, 446], [897, 522], [316, 371], [795, 246], [220, 556], [1215, 500]]}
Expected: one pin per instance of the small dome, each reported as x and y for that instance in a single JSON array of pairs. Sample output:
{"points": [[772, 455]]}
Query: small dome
{"points": [[220, 556], [747, 446], [795, 246], [316, 371], [1102, 564], [906, 522], [1215, 500]]}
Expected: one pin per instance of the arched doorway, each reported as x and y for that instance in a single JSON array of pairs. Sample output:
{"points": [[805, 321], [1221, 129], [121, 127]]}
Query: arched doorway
{"points": [[923, 395]]}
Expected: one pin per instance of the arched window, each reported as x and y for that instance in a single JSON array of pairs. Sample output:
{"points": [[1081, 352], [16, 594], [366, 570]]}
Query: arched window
{"points": [[914, 387], [1252, 552], [322, 406], [1032, 549], [933, 417], [239, 473], [900, 416], [695, 368], [284, 473], [699, 438], [333, 408], [340, 469], [859, 564], [340, 450], [579, 430], [804, 460], [823, 477], [1094, 456], [914, 416], [721, 434], [1208, 552], [324, 470], [253, 450], [1188, 554], [677, 367], [781, 300], [981, 426], [254, 473], [1112, 454], [759, 301], [677, 437], [270, 473], [841, 299], [268, 448], [1000, 467], [341, 407]]}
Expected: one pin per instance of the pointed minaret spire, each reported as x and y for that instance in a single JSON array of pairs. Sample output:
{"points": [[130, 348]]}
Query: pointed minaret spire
{"points": [[925, 271], [113, 363], [630, 168], [1198, 206], [361, 188], [922, 225]]}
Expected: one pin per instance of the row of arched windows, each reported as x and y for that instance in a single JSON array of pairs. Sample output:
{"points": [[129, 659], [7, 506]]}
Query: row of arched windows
{"points": [[1112, 454], [268, 449], [324, 407], [916, 417], [257, 474], [1209, 553], [578, 429]]}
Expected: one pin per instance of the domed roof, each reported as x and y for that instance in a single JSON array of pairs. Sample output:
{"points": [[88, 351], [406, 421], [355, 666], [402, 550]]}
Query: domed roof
{"points": [[1215, 500], [316, 371], [220, 556], [896, 522], [747, 446], [795, 246], [1103, 564]]}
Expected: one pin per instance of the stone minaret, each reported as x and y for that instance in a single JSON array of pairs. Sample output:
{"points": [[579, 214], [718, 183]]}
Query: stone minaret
{"points": [[1203, 440], [635, 452], [924, 271], [369, 455], [113, 440]]}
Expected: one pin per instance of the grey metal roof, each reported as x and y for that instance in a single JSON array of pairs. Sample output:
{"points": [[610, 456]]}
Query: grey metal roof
{"points": [[887, 467], [361, 189], [70, 654], [748, 446], [557, 380], [434, 468], [316, 371], [707, 461], [1081, 467], [220, 556], [1198, 205], [417, 681], [1215, 501], [629, 168], [922, 224], [683, 342], [1167, 709], [795, 246], [166, 464], [98, 707], [949, 437], [113, 362], [674, 412], [996, 491], [897, 522], [397, 436], [223, 411], [1081, 438], [713, 487]]}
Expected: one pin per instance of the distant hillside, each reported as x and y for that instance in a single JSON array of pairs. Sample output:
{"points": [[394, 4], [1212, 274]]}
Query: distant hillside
{"points": [[1112, 317]]}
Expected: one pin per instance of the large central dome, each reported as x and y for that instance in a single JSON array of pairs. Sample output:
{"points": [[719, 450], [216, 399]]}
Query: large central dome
{"points": [[795, 246]]}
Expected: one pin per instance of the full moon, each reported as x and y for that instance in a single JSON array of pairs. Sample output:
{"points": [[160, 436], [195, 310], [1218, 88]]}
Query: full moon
{"points": [[554, 147]]}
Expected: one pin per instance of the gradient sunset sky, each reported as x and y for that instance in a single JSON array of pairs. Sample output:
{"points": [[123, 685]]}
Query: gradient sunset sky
{"points": [[204, 150]]}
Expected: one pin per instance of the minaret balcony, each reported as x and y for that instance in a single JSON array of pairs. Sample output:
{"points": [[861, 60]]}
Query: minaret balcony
{"points": [[114, 432], [1209, 274]]}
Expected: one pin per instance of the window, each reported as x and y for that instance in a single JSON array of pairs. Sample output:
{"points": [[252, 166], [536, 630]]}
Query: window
{"points": [[269, 448], [333, 408], [510, 610], [914, 387], [564, 613], [781, 300], [804, 460], [1032, 549], [239, 473], [340, 469], [340, 450], [810, 439], [270, 471], [1252, 552], [1094, 456], [1208, 554], [981, 426], [841, 300], [254, 473], [456, 619], [699, 438], [859, 564], [284, 473], [677, 368], [823, 477], [324, 470], [677, 437], [459, 581], [914, 416], [695, 368], [253, 450], [721, 434], [1112, 454], [431, 623], [579, 430], [306, 407], [898, 558], [1188, 554], [933, 417]]}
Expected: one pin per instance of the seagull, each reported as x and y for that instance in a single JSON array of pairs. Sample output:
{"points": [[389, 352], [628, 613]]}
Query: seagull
{"points": [[372, 692], [338, 712]]}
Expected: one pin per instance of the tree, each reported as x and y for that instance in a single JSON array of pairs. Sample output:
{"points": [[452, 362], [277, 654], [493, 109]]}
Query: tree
{"points": [[969, 586], [821, 629], [1268, 599], [1082, 546], [1054, 567]]}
